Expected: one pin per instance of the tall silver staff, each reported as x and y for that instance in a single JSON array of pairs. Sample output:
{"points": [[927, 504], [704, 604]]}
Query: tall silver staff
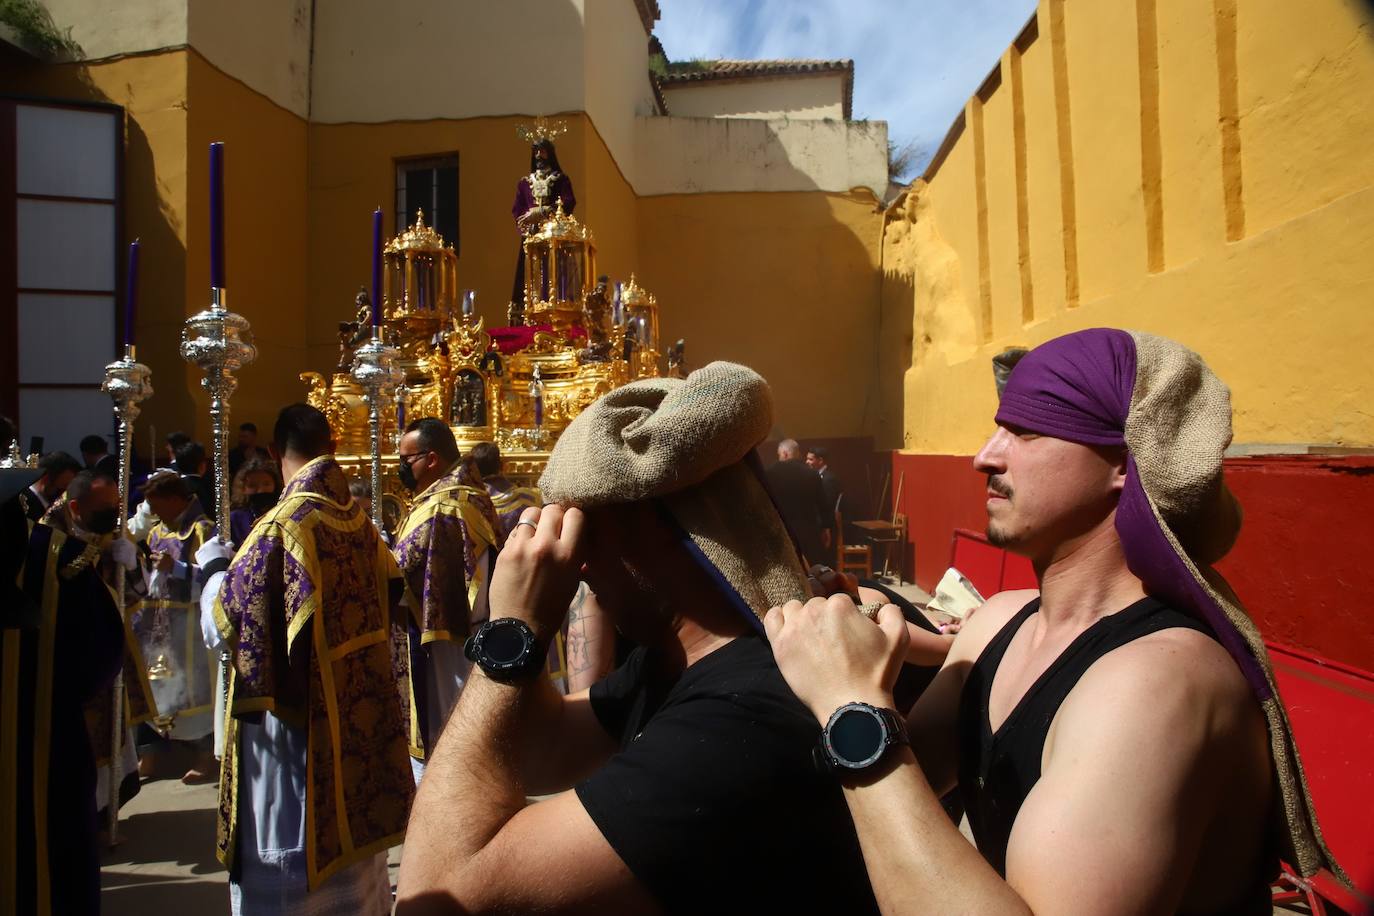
{"points": [[127, 382], [220, 343], [376, 372]]}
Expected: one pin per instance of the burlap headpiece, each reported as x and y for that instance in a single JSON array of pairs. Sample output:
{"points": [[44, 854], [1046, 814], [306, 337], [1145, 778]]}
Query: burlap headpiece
{"points": [[687, 444], [1176, 515]]}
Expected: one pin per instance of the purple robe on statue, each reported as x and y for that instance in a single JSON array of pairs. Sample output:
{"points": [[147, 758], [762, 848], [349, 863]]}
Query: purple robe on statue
{"points": [[562, 190]]}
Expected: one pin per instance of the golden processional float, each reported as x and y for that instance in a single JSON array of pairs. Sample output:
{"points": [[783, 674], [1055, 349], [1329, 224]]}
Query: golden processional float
{"points": [[517, 386]]}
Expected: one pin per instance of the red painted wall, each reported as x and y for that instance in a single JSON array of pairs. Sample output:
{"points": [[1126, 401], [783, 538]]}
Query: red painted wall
{"points": [[939, 493], [1302, 565]]}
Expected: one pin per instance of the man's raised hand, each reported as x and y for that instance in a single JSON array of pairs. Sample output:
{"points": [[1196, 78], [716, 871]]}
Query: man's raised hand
{"points": [[538, 570], [831, 655]]}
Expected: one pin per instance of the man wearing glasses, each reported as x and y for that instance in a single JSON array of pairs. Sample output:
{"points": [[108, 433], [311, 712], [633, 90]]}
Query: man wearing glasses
{"points": [[445, 547]]}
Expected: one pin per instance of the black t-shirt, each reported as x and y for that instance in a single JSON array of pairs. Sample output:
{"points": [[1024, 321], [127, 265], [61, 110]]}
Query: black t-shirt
{"points": [[713, 801]]}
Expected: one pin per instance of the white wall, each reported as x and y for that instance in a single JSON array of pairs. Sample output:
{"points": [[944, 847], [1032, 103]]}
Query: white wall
{"points": [[425, 59], [617, 76], [815, 96], [263, 43], [695, 155], [104, 28]]}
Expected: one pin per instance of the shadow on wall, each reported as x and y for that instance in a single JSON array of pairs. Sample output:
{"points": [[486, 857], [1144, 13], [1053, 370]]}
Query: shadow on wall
{"points": [[145, 214], [894, 348]]}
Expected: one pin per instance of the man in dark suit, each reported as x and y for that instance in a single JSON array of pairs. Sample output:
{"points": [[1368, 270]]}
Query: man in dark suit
{"points": [[59, 469], [95, 451], [247, 448], [801, 499], [191, 465], [817, 459]]}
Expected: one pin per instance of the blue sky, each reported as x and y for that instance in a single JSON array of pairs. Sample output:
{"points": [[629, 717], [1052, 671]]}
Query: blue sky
{"points": [[915, 61]]}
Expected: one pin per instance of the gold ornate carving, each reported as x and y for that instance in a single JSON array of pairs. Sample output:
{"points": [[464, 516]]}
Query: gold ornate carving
{"points": [[454, 371], [541, 129]]}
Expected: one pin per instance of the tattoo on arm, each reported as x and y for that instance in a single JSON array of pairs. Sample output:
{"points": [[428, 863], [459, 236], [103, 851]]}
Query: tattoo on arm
{"points": [[580, 641]]}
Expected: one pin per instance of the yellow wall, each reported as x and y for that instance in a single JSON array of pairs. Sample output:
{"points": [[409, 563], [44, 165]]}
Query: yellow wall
{"points": [[265, 231], [152, 89], [1197, 170], [787, 283]]}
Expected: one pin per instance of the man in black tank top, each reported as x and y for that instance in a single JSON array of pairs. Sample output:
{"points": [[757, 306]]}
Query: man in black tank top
{"points": [[1105, 733]]}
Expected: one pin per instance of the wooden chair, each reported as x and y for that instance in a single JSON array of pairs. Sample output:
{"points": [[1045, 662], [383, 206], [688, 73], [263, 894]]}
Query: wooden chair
{"points": [[855, 558], [896, 539]]}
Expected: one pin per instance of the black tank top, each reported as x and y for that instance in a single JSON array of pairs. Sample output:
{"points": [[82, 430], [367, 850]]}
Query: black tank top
{"points": [[997, 771]]}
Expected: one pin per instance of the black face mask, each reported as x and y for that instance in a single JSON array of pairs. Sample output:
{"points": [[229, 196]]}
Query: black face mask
{"points": [[407, 475], [102, 521], [261, 502]]}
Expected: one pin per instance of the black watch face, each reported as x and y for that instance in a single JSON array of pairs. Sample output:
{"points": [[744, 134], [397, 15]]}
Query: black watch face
{"points": [[856, 738], [503, 645]]}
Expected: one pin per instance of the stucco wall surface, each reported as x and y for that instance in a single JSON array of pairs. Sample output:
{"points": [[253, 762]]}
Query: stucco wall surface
{"points": [[263, 43], [1198, 171], [153, 90], [431, 59], [786, 283], [697, 155], [813, 96], [617, 89], [103, 29], [265, 192]]}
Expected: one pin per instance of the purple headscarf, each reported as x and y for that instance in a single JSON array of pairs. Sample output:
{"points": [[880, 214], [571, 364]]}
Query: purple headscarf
{"points": [[1175, 516], [1080, 387]]}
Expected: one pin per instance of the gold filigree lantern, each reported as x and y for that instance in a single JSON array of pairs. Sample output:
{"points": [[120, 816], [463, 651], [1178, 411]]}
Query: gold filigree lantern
{"points": [[421, 279], [560, 264], [640, 317]]}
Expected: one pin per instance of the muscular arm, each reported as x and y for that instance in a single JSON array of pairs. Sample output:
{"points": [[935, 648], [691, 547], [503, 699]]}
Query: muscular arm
{"points": [[559, 740], [1131, 773], [474, 846]]}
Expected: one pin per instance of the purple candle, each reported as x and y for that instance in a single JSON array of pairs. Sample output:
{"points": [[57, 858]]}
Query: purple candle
{"points": [[377, 267], [217, 215], [131, 294]]}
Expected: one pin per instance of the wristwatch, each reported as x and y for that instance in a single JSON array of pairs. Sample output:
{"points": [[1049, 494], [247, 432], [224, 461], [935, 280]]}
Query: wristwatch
{"points": [[505, 648], [857, 737]]}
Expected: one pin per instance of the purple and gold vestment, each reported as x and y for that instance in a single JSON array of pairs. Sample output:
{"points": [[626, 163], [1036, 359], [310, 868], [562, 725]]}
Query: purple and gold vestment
{"points": [[444, 549], [57, 652], [307, 611], [182, 671], [139, 706], [510, 500]]}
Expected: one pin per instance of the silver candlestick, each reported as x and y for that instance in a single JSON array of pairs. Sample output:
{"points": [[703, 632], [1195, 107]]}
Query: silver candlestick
{"points": [[220, 342], [376, 372], [127, 382]]}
